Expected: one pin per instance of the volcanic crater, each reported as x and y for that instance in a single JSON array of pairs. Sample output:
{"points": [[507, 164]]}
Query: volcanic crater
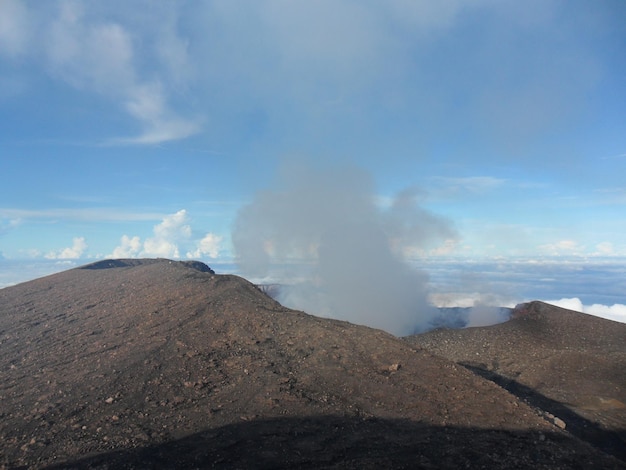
{"points": [[155, 363]]}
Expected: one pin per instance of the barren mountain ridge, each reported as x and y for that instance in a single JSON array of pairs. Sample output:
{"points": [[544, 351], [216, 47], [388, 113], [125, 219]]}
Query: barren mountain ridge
{"points": [[165, 364]]}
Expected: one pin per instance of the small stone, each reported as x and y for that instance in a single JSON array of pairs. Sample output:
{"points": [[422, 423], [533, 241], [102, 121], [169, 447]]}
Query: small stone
{"points": [[394, 367], [559, 423], [142, 436], [109, 400]]}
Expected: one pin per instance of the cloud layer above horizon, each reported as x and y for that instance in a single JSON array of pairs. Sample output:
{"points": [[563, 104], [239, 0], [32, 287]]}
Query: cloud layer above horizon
{"points": [[615, 312]]}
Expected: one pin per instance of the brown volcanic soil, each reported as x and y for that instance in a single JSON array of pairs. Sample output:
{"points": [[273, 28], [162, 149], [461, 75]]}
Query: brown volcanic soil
{"points": [[570, 364], [162, 364]]}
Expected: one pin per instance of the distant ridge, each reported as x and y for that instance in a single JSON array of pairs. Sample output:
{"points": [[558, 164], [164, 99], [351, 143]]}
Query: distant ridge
{"points": [[130, 262], [159, 363], [571, 364]]}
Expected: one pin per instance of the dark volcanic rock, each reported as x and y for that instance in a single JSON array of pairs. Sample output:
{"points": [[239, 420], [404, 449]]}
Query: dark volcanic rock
{"points": [[155, 363], [571, 365], [127, 263], [199, 266]]}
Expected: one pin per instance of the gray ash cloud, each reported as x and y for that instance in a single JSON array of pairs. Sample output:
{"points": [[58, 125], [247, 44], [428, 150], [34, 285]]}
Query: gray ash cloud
{"points": [[326, 230]]}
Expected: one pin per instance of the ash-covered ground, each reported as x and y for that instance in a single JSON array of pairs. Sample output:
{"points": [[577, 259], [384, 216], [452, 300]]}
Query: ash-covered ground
{"points": [[157, 363]]}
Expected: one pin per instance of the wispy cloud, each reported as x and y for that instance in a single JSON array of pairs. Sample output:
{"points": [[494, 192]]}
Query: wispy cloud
{"points": [[562, 247], [97, 55], [273, 55], [147, 104], [612, 157], [611, 195], [101, 56], [8, 224], [442, 187], [13, 27], [91, 215], [472, 184], [605, 249]]}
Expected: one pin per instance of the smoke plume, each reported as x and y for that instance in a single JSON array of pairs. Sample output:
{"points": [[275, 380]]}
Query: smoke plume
{"points": [[338, 252]]}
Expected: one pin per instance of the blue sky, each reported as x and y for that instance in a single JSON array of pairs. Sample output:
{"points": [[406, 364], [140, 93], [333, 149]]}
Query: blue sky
{"points": [[143, 128]]}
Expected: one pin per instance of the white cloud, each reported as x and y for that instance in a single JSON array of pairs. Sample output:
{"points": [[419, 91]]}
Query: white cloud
{"points": [[169, 235], [604, 249], [562, 247], [573, 303], [160, 248], [615, 312], [173, 226], [74, 252], [208, 246], [100, 55], [129, 248], [467, 300]]}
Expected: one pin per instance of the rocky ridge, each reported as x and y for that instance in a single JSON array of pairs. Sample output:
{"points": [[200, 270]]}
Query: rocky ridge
{"points": [[157, 363], [568, 364]]}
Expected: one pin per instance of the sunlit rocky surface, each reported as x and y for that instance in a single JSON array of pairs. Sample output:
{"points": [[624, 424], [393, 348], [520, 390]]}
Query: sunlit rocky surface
{"points": [[164, 364]]}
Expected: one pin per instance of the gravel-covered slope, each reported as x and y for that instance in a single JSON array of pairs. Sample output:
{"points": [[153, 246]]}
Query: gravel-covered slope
{"points": [[156, 363], [571, 364]]}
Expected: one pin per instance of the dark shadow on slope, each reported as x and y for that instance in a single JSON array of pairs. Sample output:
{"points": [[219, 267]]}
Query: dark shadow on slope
{"points": [[127, 263], [198, 266], [343, 442], [607, 441], [107, 264], [123, 263]]}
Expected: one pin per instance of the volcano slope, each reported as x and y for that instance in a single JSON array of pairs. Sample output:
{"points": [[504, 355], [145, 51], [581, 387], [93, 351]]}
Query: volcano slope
{"points": [[571, 365], [163, 364]]}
